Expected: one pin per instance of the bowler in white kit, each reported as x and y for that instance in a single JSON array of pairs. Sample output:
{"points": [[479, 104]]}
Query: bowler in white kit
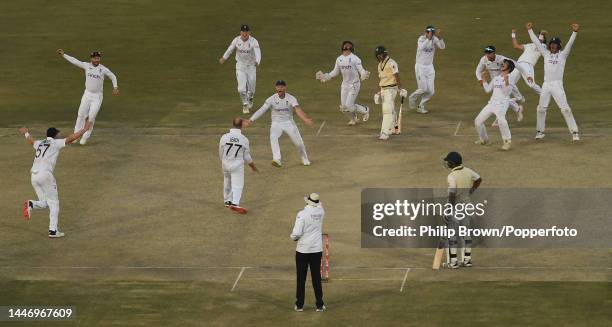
{"points": [[424, 68], [527, 61], [283, 105], [43, 181], [349, 65], [91, 101], [234, 151], [554, 66], [248, 57]]}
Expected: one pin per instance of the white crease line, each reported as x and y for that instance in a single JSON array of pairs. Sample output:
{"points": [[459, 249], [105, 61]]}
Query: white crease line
{"points": [[238, 278], [320, 128], [404, 281], [457, 129]]}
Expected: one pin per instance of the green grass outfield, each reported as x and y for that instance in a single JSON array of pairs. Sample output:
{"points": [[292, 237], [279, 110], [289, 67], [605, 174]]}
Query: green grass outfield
{"points": [[147, 241]]}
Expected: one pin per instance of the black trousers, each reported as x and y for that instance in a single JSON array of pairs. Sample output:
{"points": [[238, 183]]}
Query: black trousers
{"points": [[302, 261]]}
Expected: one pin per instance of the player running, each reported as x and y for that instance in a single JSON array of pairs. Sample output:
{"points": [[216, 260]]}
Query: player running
{"points": [[349, 65], [234, 151], [283, 105], [424, 69], [248, 57], [42, 178], [94, 87], [390, 85], [462, 182], [554, 66], [498, 105]]}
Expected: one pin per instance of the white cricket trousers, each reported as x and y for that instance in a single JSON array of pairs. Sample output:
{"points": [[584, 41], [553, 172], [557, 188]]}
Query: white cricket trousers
{"points": [[46, 190], [388, 95], [348, 96], [89, 108], [555, 90], [497, 108], [246, 75], [233, 181], [526, 74], [425, 76], [277, 129]]}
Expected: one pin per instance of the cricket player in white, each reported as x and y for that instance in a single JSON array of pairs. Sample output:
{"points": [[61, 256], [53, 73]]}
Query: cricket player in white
{"points": [[283, 104], [390, 85], [491, 63], [234, 151], [527, 61], [349, 65], [43, 181], [248, 57], [498, 105], [94, 90], [554, 66], [462, 182], [424, 68]]}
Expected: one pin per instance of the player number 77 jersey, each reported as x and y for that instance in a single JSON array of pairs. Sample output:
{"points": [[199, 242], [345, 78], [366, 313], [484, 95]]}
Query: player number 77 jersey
{"points": [[234, 147]]}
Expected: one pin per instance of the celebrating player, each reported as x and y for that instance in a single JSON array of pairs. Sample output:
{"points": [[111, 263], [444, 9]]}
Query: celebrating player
{"points": [[527, 61], [349, 65], [498, 105], [554, 66], [424, 69], [94, 87], [283, 104], [248, 57], [234, 151], [462, 181], [390, 85], [42, 178]]}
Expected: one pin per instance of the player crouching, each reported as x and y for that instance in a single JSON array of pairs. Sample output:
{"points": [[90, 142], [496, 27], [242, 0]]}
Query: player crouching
{"points": [[349, 65]]}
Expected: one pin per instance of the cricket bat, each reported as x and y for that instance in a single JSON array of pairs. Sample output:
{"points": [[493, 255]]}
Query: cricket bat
{"points": [[398, 127], [438, 256]]}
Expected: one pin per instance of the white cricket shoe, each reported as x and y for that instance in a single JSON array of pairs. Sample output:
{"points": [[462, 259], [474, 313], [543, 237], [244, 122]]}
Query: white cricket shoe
{"points": [[539, 135], [519, 113], [383, 136], [305, 162], [453, 265], [575, 136], [506, 146], [366, 116], [421, 109], [352, 122], [481, 142], [321, 309], [295, 307], [411, 102], [467, 263], [277, 163], [245, 108], [55, 234]]}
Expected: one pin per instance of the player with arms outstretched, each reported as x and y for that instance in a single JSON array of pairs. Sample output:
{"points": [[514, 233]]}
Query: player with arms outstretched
{"points": [[424, 68]]}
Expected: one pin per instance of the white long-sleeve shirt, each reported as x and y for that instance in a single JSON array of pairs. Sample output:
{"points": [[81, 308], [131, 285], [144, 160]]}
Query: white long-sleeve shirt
{"points": [[554, 63], [282, 108], [47, 151], [350, 67], [530, 54], [94, 75], [247, 52], [234, 149], [308, 228], [426, 49], [501, 91], [494, 67]]}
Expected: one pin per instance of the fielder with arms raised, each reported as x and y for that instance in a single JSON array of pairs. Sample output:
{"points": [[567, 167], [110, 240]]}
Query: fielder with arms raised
{"points": [[283, 105], [248, 57], [94, 89], [234, 151], [43, 181], [424, 68], [349, 65], [554, 66]]}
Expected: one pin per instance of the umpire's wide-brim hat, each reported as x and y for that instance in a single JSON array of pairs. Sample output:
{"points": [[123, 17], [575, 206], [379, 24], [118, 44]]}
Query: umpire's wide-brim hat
{"points": [[313, 199]]}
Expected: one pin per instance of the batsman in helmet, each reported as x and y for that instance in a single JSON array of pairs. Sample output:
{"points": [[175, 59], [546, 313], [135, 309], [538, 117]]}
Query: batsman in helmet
{"points": [[390, 85]]}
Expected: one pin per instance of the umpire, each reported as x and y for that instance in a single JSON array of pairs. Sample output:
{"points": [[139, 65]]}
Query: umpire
{"points": [[307, 233]]}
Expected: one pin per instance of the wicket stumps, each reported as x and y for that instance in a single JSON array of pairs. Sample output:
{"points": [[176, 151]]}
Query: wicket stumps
{"points": [[325, 259]]}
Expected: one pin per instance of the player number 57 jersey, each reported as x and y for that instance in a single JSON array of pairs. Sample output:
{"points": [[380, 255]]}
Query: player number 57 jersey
{"points": [[46, 154]]}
